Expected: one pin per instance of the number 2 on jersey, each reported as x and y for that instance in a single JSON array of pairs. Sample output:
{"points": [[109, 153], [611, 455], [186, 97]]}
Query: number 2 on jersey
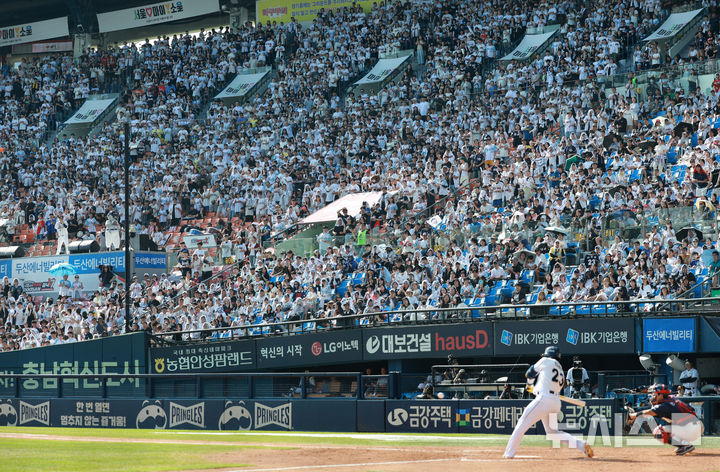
{"points": [[558, 377]]}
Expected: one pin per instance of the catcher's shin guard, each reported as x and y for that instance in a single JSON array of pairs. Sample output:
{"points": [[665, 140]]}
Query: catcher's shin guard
{"points": [[662, 435]]}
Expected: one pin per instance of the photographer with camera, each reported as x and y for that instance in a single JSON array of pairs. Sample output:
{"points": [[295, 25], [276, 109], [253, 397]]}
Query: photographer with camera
{"points": [[508, 393], [578, 379], [451, 372]]}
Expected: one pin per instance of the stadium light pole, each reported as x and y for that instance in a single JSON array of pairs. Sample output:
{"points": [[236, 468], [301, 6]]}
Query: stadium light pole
{"points": [[127, 227]]}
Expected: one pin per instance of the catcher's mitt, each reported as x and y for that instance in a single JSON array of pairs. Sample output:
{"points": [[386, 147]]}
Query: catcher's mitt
{"points": [[629, 418]]}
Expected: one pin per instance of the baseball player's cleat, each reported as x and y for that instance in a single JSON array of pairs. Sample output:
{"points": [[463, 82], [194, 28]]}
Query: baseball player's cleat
{"points": [[507, 457], [589, 451], [682, 450]]}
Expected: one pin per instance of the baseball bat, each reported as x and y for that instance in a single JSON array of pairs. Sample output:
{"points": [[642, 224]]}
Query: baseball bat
{"points": [[573, 401]]}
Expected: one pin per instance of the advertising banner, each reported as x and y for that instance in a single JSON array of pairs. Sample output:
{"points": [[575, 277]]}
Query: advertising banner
{"points": [[90, 111], [417, 416], [227, 415], [578, 336], [150, 260], [527, 47], [232, 356], [281, 11], [491, 416], [55, 46], [155, 13], [241, 85], [464, 340], [36, 31], [308, 349], [669, 334], [191, 240], [382, 70], [673, 25], [5, 268], [113, 355], [96, 413], [32, 272]]}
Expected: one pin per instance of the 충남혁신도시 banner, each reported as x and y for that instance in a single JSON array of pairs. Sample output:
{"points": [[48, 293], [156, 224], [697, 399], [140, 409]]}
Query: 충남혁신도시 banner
{"points": [[123, 354]]}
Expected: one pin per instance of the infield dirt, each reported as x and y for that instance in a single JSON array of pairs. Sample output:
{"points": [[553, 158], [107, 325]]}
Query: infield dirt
{"points": [[289, 456]]}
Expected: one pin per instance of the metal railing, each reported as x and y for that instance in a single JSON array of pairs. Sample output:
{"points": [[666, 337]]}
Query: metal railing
{"points": [[351, 385], [458, 314], [476, 380]]}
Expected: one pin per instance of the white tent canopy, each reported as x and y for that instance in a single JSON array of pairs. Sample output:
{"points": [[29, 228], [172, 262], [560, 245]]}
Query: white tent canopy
{"points": [[90, 110], [383, 69], [527, 47], [241, 85], [673, 25], [352, 202]]}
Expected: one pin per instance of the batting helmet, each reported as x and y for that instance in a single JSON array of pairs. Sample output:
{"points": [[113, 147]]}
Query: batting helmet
{"points": [[552, 352], [658, 393]]}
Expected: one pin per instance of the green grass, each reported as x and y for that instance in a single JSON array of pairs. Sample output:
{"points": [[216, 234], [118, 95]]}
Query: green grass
{"points": [[25, 455], [21, 455]]}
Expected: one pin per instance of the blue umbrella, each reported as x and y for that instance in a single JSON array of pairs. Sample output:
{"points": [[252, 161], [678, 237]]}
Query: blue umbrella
{"points": [[62, 268]]}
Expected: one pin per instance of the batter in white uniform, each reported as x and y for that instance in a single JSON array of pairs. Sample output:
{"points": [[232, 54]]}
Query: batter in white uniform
{"points": [[549, 380]]}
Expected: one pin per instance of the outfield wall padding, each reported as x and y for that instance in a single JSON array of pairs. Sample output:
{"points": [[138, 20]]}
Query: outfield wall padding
{"points": [[337, 415]]}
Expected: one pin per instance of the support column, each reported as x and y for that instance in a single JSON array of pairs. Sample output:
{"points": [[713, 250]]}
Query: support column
{"points": [[81, 41], [238, 17]]}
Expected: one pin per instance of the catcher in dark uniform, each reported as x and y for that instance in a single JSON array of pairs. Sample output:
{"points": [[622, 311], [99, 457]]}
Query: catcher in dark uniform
{"points": [[683, 426]]}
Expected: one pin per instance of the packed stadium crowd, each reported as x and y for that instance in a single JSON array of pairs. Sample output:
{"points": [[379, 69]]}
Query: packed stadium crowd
{"points": [[480, 162]]}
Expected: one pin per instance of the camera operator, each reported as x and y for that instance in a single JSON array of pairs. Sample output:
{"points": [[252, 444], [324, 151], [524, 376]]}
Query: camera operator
{"points": [[508, 393], [578, 379], [483, 377], [428, 393], [461, 377], [451, 372]]}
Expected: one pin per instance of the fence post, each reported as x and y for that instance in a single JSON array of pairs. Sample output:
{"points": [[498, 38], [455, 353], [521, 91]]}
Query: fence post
{"points": [[394, 385], [601, 385]]}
